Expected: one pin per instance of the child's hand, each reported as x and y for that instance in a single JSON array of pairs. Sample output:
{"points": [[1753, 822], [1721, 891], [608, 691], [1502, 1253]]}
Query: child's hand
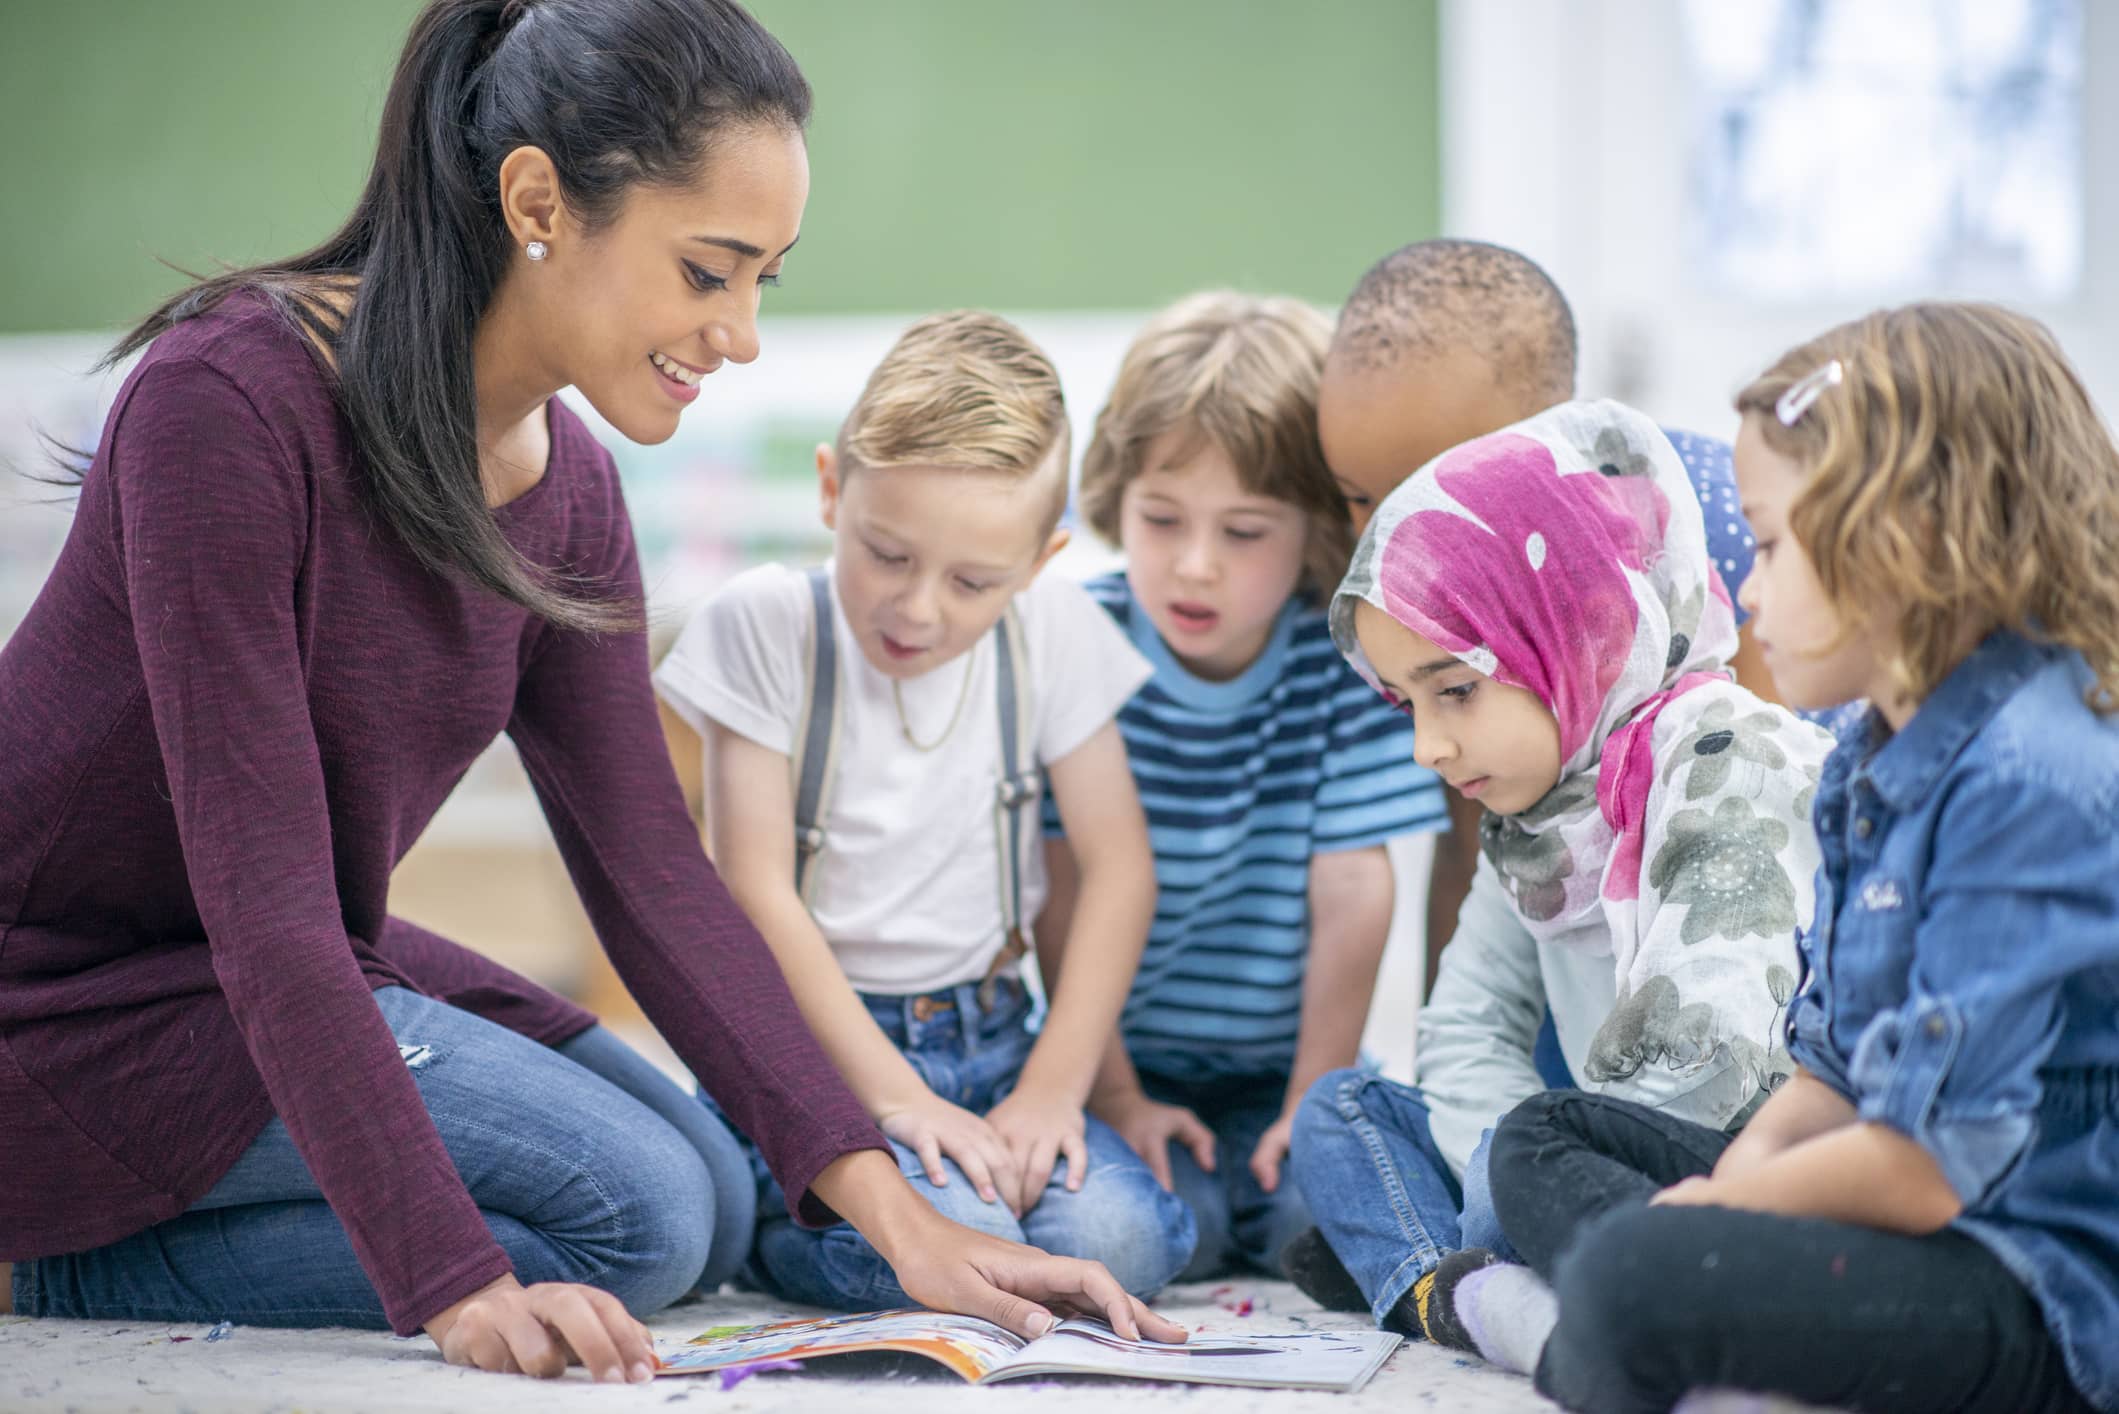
{"points": [[1272, 1150], [1040, 1131], [932, 1127], [1149, 1130]]}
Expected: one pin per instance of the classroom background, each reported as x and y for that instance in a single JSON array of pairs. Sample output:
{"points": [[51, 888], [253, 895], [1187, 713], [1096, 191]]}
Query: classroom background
{"points": [[1708, 180]]}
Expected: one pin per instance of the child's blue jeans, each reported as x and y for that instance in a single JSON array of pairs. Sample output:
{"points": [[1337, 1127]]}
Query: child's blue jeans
{"points": [[1240, 1224], [970, 1054], [1384, 1197], [588, 1164]]}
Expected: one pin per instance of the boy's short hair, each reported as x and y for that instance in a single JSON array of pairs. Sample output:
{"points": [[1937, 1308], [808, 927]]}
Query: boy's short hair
{"points": [[1445, 297], [968, 390], [1242, 372]]}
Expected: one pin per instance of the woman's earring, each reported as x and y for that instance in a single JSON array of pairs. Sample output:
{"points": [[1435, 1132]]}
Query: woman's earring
{"points": [[537, 250]]}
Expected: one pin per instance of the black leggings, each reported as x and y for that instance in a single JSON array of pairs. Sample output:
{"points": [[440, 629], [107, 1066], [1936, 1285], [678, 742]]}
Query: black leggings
{"points": [[1658, 1301]]}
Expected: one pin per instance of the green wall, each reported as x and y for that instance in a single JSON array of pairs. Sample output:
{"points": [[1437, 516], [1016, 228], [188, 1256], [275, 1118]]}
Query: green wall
{"points": [[1065, 154]]}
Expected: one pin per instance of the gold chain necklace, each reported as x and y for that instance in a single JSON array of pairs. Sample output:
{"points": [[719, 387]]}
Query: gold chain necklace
{"points": [[897, 695]]}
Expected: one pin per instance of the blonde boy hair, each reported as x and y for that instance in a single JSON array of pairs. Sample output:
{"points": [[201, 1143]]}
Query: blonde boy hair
{"points": [[966, 390], [1241, 372], [1960, 481]]}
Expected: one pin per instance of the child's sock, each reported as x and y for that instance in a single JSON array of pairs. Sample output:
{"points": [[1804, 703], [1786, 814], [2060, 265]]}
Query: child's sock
{"points": [[1498, 1311], [1310, 1263], [1731, 1401]]}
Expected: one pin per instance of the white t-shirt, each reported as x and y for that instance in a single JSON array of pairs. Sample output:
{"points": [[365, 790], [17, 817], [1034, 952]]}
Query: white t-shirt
{"points": [[907, 889]]}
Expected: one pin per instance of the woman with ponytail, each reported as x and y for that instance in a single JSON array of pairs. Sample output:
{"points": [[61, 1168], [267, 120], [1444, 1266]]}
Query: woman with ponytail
{"points": [[336, 536]]}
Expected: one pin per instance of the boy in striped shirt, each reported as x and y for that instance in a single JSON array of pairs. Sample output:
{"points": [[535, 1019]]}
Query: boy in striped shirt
{"points": [[1271, 775]]}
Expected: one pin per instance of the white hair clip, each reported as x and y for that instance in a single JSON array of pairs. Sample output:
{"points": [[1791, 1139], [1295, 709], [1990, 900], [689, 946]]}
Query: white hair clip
{"points": [[1791, 405]]}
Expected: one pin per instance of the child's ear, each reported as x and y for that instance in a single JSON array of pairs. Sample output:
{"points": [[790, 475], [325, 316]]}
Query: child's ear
{"points": [[828, 485], [1057, 543]]}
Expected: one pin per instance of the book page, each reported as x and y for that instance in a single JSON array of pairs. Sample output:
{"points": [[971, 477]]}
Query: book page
{"points": [[1337, 1360], [969, 1346]]}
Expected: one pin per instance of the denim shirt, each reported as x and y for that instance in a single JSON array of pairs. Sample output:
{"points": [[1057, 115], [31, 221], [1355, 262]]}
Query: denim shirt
{"points": [[1961, 979]]}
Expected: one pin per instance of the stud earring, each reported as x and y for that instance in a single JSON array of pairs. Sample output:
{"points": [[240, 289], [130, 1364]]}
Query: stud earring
{"points": [[537, 250]]}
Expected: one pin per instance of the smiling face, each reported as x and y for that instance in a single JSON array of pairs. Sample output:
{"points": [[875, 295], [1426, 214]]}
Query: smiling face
{"points": [[1212, 563], [1815, 664], [1380, 425], [928, 558], [636, 312], [1495, 743]]}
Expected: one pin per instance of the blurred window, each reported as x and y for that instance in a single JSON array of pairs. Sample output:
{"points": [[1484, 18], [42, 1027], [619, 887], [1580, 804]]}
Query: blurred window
{"points": [[1879, 147]]}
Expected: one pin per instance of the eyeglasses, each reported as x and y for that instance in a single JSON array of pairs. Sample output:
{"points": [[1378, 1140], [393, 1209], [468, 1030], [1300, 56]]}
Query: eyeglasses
{"points": [[1791, 405]]}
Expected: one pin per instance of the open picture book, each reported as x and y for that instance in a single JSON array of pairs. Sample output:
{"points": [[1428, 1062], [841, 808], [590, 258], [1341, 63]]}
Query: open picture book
{"points": [[984, 1353]]}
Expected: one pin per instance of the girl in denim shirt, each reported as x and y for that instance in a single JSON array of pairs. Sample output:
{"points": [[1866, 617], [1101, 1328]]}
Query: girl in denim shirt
{"points": [[1923, 1217]]}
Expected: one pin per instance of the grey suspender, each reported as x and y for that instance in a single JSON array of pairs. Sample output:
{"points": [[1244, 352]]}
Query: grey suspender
{"points": [[817, 735], [817, 744], [1017, 793]]}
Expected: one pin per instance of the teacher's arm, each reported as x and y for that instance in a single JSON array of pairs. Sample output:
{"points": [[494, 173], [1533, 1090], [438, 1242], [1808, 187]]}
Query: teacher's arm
{"points": [[213, 518]]}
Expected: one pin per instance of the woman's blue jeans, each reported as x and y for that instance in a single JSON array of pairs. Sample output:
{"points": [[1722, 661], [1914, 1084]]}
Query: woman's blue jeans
{"points": [[588, 1163], [970, 1053]]}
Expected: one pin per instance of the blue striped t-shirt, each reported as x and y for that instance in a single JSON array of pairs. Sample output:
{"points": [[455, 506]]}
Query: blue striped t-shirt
{"points": [[1243, 782]]}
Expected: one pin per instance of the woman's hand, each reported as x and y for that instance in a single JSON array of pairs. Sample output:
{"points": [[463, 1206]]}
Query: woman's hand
{"points": [[1150, 1128], [540, 1330], [932, 1127], [950, 1267], [1040, 1130]]}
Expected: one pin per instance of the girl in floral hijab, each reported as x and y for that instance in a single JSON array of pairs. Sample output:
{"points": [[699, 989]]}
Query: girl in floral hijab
{"points": [[1541, 602]]}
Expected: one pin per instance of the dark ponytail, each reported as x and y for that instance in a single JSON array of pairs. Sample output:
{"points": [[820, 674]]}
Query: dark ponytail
{"points": [[616, 93]]}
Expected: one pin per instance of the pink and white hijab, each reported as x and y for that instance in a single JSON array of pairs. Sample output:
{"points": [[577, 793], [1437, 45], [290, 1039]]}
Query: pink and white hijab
{"points": [[1567, 555]]}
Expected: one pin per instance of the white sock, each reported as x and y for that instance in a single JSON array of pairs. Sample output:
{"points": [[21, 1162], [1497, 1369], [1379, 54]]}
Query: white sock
{"points": [[1508, 1311]]}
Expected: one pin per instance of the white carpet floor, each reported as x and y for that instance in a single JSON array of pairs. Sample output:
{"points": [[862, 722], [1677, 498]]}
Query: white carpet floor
{"points": [[113, 1367]]}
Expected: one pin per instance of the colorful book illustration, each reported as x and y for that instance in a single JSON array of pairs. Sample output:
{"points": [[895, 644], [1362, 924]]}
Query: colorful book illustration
{"points": [[984, 1353]]}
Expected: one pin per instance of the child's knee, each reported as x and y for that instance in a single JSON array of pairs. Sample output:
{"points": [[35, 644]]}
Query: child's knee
{"points": [[957, 1197], [1143, 1233], [1148, 1239], [1328, 1106], [1532, 1126], [959, 1202], [1618, 1303]]}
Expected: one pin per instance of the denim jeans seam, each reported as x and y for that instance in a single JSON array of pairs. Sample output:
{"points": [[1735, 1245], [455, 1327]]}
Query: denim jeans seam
{"points": [[1393, 1287], [1403, 1210]]}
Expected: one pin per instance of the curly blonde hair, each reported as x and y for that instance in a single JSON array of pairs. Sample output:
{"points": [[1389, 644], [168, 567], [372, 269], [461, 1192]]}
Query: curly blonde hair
{"points": [[1959, 481], [1241, 372], [966, 390]]}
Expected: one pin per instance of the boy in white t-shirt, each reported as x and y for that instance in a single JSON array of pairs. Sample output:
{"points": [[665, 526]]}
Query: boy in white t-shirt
{"points": [[875, 734]]}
